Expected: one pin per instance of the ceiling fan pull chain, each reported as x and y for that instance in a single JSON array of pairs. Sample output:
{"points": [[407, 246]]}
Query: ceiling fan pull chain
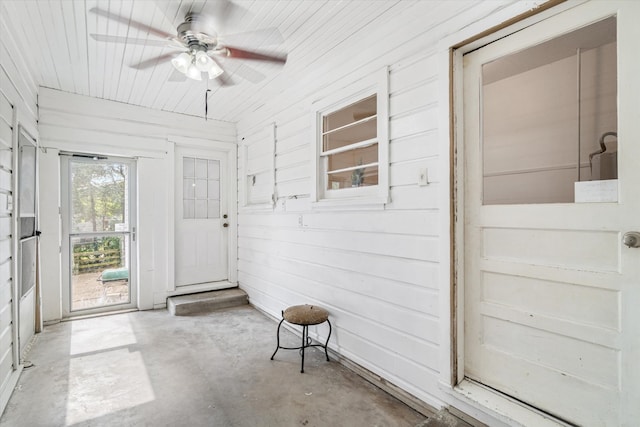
{"points": [[206, 102]]}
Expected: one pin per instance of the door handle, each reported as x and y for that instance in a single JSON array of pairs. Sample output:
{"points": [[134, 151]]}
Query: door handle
{"points": [[631, 239]]}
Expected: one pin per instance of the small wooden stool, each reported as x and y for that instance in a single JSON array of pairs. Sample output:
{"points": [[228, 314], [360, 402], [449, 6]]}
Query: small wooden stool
{"points": [[304, 315]]}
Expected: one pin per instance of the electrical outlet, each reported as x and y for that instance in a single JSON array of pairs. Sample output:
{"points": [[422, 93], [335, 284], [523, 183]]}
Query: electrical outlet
{"points": [[423, 177]]}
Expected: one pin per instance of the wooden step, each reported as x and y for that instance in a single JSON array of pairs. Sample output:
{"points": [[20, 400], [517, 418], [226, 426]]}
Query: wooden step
{"points": [[205, 302]]}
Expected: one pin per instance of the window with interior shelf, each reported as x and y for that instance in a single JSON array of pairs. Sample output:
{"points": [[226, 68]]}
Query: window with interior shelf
{"points": [[351, 153]]}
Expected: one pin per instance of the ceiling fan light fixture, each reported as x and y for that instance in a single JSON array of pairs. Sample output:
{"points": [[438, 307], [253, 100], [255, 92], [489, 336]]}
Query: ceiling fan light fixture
{"points": [[182, 62], [215, 70], [193, 72], [202, 61]]}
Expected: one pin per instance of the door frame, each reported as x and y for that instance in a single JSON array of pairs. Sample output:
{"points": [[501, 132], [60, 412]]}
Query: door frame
{"points": [[475, 398], [65, 258], [231, 152]]}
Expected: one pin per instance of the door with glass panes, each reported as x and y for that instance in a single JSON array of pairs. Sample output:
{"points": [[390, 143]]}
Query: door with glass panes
{"points": [[99, 232], [201, 220], [551, 147]]}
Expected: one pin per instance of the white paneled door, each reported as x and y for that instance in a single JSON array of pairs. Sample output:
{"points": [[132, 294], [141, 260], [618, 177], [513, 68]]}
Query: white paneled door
{"points": [[201, 218], [552, 142]]}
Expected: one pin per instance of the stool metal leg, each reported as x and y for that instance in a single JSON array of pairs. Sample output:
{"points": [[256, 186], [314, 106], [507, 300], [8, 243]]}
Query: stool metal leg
{"points": [[278, 339], [305, 344], [326, 353]]}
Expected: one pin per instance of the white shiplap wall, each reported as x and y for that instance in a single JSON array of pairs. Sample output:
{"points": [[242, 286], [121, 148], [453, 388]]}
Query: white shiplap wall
{"points": [[379, 273], [82, 124], [18, 97]]}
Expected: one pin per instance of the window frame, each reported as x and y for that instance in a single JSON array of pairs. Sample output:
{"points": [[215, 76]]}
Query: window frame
{"points": [[375, 195]]}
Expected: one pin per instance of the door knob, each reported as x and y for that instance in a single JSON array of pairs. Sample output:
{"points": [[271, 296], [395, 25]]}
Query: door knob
{"points": [[631, 239], [226, 224]]}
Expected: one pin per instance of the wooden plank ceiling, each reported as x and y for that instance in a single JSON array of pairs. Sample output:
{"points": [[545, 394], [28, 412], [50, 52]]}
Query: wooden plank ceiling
{"points": [[60, 53]]}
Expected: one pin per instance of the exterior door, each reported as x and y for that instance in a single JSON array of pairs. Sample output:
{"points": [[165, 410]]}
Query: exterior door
{"points": [[551, 147], [99, 233], [201, 237]]}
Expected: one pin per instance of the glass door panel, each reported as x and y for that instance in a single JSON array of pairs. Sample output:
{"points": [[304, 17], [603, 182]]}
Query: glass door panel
{"points": [[100, 233]]}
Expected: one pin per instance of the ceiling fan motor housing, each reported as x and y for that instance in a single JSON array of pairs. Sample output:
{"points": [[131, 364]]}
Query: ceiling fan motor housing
{"points": [[196, 33]]}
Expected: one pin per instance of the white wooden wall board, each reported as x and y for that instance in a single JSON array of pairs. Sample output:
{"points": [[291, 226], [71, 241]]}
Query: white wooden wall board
{"points": [[19, 89], [395, 245], [385, 362], [413, 71], [293, 188], [294, 124], [413, 297], [5, 226], [417, 146], [413, 122], [292, 173], [293, 142], [83, 105], [70, 139], [414, 197], [293, 157], [415, 223], [5, 179], [422, 273], [5, 137], [413, 98], [410, 330], [407, 172]]}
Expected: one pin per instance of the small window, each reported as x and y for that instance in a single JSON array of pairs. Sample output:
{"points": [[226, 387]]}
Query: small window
{"points": [[351, 152], [201, 188]]}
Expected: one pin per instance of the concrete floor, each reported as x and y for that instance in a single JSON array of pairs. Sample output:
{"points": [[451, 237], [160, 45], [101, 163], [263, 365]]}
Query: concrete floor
{"points": [[153, 369]]}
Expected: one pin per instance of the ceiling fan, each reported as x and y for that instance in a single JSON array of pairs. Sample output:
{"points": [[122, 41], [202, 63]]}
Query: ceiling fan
{"points": [[198, 47]]}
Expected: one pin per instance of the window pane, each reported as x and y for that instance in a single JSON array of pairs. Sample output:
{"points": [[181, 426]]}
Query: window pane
{"points": [[214, 169], [201, 168], [100, 271], [357, 157], [189, 209], [201, 189], [201, 208], [214, 209], [188, 189], [350, 114], [214, 189], [544, 124], [98, 196], [350, 135], [188, 167], [360, 177]]}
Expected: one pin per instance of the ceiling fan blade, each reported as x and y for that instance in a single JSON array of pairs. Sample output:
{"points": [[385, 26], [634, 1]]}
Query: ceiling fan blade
{"points": [[132, 40], [246, 72], [235, 53], [264, 37], [152, 61], [131, 23]]}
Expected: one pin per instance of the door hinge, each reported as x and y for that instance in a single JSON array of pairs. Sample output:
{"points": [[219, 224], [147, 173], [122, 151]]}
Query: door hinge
{"points": [[133, 234]]}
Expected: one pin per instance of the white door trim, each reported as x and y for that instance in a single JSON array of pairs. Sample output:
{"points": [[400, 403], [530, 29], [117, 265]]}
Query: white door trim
{"points": [[206, 146]]}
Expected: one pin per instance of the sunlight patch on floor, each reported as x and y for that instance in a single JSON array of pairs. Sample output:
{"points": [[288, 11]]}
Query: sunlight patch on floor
{"points": [[121, 372]]}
